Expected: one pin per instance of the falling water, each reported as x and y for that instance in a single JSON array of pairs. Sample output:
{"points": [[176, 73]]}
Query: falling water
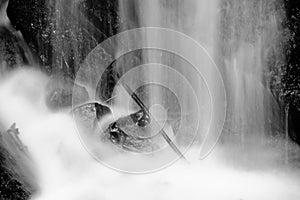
{"points": [[248, 37], [239, 36], [236, 39], [14, 50], [66, 171], [198, 20]]}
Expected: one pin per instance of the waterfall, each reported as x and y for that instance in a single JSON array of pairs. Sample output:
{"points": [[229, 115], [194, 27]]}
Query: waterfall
{"points": [[248, 38], [226, 46], [239, 36]]}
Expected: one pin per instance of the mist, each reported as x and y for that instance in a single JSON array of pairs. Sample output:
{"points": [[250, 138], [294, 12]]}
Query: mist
{"points": [[66, 171]]}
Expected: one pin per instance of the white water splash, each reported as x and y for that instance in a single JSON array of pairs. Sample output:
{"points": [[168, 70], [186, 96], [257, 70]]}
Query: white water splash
{"points": [[66, 171]]}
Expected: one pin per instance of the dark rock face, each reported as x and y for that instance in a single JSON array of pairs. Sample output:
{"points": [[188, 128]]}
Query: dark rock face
{"points": [[101, 110], [62, 35], [289, 89], [125, 132], [16, 177], [31, 19], [59, 37], [102, 14], [59, 34], [11, 52]]}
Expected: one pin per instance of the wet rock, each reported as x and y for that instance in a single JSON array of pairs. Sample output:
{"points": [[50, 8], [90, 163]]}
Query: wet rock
{"points": [[31, 19], [16, 170], [11, 52], [101, 110], [102, 14], [130, 133], [61, 34], [60, 94], [116, 135]]}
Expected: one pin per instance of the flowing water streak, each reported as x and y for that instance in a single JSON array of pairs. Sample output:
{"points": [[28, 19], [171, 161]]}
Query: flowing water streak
{"points": [[250, 33], [239, 36], [197, 19], [67, 172]]}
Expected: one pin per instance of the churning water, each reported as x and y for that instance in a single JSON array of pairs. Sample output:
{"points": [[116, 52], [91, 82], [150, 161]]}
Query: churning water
{"points": [[66, 171], [247, 164]]}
